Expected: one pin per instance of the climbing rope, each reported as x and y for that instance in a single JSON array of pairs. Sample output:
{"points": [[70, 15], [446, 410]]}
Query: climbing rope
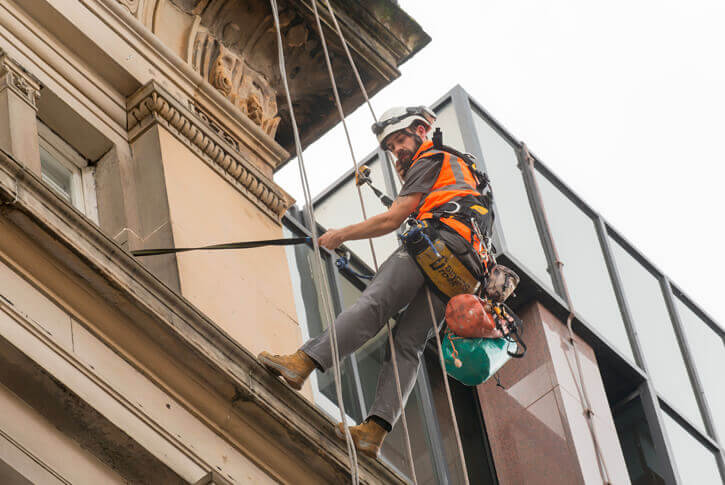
{"points": [[320, 275], [391, 342], [588, 411], [343, 41]]}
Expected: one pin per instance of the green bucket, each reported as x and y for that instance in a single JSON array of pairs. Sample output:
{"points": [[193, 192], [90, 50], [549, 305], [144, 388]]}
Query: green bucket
{"points": [[480, 358]]}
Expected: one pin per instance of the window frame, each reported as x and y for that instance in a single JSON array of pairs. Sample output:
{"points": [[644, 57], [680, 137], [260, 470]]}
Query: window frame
{"points": [[83, 183]]}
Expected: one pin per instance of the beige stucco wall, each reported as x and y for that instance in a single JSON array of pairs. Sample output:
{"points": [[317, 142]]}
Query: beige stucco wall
{"points": [[246, 292], [61, 335]]}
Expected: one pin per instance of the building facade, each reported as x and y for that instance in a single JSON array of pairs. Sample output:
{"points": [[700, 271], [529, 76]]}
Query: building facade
{"points": [[131, 124], [649, 357]]}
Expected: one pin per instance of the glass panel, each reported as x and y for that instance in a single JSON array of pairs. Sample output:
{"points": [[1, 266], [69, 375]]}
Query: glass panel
{"points": [[637, 447], [470, 424], [447, 121], [512, 203], [584, 268], [56, 175], [656, 335], [342, 207], [309, 316], [708, 352], [394, 451], [369, 358], [696, 465]]}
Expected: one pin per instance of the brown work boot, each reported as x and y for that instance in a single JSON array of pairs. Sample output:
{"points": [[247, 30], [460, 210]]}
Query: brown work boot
{"points": [[294, 368], [368, 437]]}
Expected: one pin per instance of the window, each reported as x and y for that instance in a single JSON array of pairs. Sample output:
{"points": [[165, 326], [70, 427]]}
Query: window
{"points": [[708, 353], [512, 204], [638, 449], [312, 323], [656, 335], [65, 171], [584, 268], [341, 206], [696, 465]]}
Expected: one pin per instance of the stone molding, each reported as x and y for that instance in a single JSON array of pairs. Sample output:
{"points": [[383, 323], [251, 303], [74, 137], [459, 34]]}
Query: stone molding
{"points": [[153, 104], [225, 376], [16, 78]]}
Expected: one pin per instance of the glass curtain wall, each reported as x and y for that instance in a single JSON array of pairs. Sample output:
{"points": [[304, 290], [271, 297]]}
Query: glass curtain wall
{"points": [[657, 338], [585, 270], [510, 199], [576, 232], [708, 352], [696, 464], [360, 372]]}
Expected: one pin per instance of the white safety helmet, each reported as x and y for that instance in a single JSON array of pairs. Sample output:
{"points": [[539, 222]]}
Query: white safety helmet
{"points": [[400, 118]]}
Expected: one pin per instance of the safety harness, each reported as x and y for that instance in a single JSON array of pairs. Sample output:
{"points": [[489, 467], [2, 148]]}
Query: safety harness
{"points": [[457, 204]]}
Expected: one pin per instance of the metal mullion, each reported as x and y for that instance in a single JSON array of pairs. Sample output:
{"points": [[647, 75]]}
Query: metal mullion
{"points": [[547, 239], [464, 115], [692, 371], [647, 393], [660, 440], [620, 294], [431, 419]]}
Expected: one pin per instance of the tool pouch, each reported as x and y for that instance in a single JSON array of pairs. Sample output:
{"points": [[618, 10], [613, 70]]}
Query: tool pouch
{"points": [[501, 283], [445, 271]]}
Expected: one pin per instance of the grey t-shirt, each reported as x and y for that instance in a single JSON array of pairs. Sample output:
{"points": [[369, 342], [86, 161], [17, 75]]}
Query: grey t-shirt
{"points": [[421, 176]]}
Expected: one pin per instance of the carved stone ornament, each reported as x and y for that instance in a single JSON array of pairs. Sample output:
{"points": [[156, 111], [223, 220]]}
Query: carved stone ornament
{"points": [[233, 45], [226, 50], [153, 103], [131, 5], [16, 78]]}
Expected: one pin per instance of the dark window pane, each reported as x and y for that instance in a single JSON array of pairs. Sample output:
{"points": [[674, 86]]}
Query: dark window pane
{"points": [[512, 203], [708, 352], [696, 465], [479, 460], [369, 360], [637, 447], [656, 334], [584, 268], [310, 317]]}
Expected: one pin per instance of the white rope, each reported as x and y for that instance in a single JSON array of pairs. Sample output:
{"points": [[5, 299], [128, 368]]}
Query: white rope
{"points": [[320, 275], [430, 303], [588, 411], [391, 342]]}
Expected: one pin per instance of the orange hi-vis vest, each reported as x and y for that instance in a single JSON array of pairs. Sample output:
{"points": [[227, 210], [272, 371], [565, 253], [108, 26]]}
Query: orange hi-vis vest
{"points": [[454, 182]]}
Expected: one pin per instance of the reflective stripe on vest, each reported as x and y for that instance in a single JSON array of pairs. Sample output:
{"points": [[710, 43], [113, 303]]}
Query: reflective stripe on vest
{"points": [[454, 181]]}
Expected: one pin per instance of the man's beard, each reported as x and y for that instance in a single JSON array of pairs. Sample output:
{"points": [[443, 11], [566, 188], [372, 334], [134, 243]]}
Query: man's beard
{"points": [[405, 157]]}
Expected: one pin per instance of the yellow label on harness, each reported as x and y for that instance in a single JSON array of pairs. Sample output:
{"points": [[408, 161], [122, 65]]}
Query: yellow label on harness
{"points": [[480, 209], [446, 272]]}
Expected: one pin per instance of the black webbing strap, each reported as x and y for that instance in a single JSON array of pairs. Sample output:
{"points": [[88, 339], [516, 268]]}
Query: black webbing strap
{"points": [[235, 245]]}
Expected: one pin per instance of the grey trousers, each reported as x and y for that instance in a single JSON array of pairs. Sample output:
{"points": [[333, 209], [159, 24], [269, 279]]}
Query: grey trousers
{"points": [[399, 282]]}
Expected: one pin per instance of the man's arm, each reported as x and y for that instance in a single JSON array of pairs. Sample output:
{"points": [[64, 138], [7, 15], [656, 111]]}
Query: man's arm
{"points": [[375, 226]]}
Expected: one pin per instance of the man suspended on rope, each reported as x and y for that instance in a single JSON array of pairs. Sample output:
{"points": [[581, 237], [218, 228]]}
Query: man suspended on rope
{"points": [[442, 191]]}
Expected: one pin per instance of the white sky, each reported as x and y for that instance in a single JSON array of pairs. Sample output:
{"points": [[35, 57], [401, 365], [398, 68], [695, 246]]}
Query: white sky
{"points": [[622, 100]]}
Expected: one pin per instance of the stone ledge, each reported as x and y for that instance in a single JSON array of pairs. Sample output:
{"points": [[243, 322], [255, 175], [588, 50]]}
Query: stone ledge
{"points": [[220, 381], [153, 104]]}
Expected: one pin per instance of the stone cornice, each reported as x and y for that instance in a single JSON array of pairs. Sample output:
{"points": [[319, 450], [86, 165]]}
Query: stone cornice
{"points": [[153, 104], [16, 78], [225, 376]]}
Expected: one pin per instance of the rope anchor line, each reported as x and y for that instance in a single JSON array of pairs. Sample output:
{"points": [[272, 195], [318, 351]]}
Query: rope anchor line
{"points": [[372, 249]]}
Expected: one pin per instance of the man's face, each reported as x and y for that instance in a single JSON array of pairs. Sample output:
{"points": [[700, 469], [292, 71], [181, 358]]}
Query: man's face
{"points": [[403, 145]]}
